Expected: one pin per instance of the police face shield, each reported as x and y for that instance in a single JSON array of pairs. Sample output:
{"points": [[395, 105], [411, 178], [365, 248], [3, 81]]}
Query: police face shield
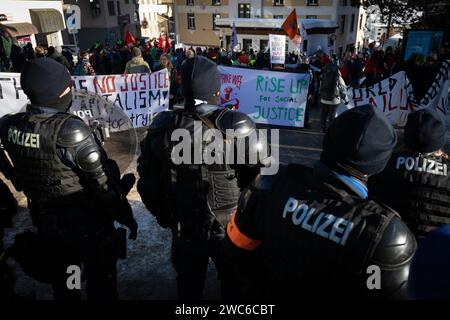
{"points": [[111, 124]]}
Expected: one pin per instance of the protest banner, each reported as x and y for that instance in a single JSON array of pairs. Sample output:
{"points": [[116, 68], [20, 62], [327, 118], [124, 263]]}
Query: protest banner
{"points": [[12, 98], [389, 95], [438, 93], [395, 97], [138, 95], [269, 97], [277, 45]]}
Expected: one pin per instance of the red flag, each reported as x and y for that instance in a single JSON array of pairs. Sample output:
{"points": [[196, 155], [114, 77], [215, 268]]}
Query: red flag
{"points": [[168, 43], [161, 43], [129, 38], [290, 25]]}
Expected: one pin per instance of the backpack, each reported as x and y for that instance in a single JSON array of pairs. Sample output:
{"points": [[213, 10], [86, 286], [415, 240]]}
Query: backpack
{"points": [[330, 78], [80, 69]]}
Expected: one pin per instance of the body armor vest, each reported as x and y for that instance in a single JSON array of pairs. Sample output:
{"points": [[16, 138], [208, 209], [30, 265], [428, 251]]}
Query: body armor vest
{"points": [[202, 197], [417, 186], [30, 140], [316, 236]]}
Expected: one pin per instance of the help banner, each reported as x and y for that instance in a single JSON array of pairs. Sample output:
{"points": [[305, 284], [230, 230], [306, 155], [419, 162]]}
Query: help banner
{"points": [[138, 95], [269, 97]]}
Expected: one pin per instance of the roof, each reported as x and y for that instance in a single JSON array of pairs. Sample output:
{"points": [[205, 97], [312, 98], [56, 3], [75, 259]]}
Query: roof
{"points": [[274, 23]]}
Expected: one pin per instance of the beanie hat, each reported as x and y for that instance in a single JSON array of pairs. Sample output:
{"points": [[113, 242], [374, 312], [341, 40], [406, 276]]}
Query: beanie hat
{"points": [[361, 138], [425, 131], [429, 277], [200, 79], [44, 80], [136, 52]]}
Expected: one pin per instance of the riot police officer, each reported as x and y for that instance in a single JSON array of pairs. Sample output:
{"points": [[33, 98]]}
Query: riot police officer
{"points": [[74, 191], [8, 208], [194, 198], [315, 232], [416, 180]]}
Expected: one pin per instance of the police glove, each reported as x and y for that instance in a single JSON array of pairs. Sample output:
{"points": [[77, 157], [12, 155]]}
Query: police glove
{"points": [[126, 218]]}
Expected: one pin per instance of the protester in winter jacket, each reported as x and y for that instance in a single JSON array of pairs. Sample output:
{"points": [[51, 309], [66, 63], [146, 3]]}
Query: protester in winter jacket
{"points": [[137, 63], [167, 64], [83, 66], [40, 52], [56, 54], [332, 93]]}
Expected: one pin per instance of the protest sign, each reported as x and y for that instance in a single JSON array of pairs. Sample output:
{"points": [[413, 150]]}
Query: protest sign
{"points": [[138, 95], [269, 97], [277, 44], [422, 42]]}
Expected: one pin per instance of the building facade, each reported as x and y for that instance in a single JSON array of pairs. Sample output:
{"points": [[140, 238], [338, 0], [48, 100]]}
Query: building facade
{"points": [[209, 22], [156, 17], [104, 21], [38, 22]]}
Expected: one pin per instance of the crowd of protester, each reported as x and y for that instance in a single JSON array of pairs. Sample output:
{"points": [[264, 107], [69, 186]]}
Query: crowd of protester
{"points": [[364, 68]]}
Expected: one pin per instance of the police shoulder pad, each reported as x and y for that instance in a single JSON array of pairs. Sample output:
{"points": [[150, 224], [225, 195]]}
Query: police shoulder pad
{"points": [[206, 109], [264, 182], [161, 121], [238, 123], [396, 246], [72, 132]]}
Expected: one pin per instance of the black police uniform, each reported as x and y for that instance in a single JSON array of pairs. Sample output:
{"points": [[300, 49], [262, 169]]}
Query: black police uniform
{"points": [[312, 236], [8, 208], [74, 196], [194, 200], [417, 185]]}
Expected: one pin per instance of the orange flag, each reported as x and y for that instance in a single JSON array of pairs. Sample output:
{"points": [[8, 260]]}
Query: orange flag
{"points": [[290, 25]]}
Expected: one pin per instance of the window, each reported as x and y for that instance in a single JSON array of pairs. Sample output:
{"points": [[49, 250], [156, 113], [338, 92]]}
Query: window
{"points": [[278, 16], [342, 24], [360, 21], [278, 2], [189, 2], [246, 43], [118, 8], [191, 21], [344, 3], [127, 1], [305, 45], [313, 2], [311, 17], [352, 23], [244, 10], [111, 8], [214, 17], [216, 2]]}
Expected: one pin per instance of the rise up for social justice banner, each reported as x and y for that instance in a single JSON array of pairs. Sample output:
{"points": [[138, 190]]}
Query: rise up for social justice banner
{"points": [[270, 97], [138, 95]]}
